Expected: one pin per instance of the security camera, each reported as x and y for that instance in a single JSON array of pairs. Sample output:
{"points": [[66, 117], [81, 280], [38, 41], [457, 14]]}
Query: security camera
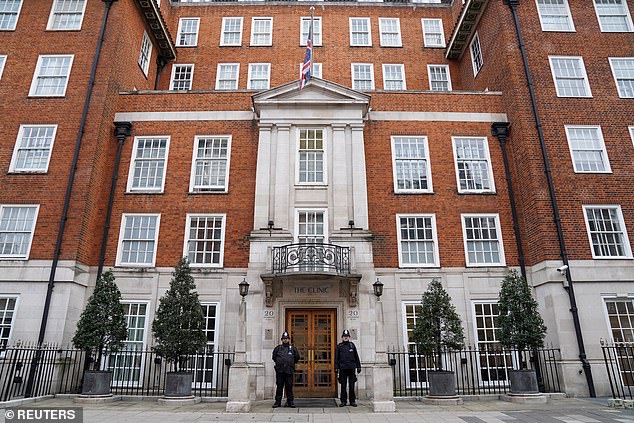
{"points": [[562, 269]]}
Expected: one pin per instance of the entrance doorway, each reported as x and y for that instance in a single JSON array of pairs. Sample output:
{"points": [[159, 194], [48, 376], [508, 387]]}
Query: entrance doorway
{"points": [[313, 332]]}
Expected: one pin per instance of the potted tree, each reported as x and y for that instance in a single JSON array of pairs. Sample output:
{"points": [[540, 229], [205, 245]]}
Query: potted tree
{"points": [[178, 329], [521, 327], [438, 327], [101, 328]]}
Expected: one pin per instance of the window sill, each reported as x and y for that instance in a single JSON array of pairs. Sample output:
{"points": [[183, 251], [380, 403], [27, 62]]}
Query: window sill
{"points": [[477, 193], [4, 258], [213, 192], [46, 96], [134, 268], [311, 186], [145, 192], [27, 172], [412, 192], [613, 258], [485, 265], [435, 46]]}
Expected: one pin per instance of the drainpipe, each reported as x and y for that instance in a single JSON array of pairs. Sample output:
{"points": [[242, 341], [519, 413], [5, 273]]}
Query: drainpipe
{"points": [[553, 200], [501, 131], [122, 131], [69, 189]]}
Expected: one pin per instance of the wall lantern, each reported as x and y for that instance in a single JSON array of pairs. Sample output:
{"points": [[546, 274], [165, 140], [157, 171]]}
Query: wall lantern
{"points": [[378, 288], [244, 288]]}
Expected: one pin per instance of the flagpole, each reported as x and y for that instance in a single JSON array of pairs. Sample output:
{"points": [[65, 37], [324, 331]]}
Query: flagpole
{"points": [[312, 48]]}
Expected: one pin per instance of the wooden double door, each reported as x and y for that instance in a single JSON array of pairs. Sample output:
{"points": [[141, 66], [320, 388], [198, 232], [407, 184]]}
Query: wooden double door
{"points": [[314, 333]]}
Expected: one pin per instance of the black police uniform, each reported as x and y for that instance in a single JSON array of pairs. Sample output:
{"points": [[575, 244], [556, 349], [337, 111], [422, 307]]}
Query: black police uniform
{"points": [[346, 360], [285, 356]]}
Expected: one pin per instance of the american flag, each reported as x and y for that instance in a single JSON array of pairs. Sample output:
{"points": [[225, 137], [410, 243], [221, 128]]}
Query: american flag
{"points": [[308, 59]]}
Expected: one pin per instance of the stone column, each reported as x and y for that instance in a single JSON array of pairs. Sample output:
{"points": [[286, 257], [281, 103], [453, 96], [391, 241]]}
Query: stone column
{"points": [[359, 183], [283, 173], [263, 183], [383, 397], [339, 177], [239, 400]]}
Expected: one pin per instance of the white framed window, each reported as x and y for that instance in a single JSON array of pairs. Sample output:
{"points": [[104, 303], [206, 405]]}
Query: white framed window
{"points": [[138, 239], [360, 34], [587, 149], [204, 366], [51, 76], [305, 26], [145, 53], [259, 76], [631, 129], [362, 76], [410, 164], [311, 226], [607, 232], [311, 157], [493, 363], [390, 32], [418, 365], [472, 158], [3, 60], [394, 77], [17, 226], [66, 15], [417, 240], [182, 77], [210, 163], [227, 76], [205, 239], [476, 54], [555, 15], [613, 15], [148, 164], [316, 70], [623, 72], [9, 13], [439, 79], [187, 35], [261, 31], [127, 366], [483, 240], [33, 146], [433, 33], [620, 317], [569, 75], [8, 309], [231, 34]]}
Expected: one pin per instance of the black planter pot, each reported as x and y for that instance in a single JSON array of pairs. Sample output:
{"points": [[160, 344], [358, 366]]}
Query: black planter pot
{"points": [[178, 384], [523, 382], [96, 383], [442, 383]]}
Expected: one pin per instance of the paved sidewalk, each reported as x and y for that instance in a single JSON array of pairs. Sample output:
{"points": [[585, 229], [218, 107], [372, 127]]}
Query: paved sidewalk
{"points": [[556, 411]]}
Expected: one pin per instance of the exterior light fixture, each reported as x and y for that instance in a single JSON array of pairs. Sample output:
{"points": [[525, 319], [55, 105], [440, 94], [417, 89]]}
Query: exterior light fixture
{"points": [[244, 287], [378, 288]]}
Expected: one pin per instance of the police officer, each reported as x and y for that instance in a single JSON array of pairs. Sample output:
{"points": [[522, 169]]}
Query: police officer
{"points": [[285, 356], [346, 360]]}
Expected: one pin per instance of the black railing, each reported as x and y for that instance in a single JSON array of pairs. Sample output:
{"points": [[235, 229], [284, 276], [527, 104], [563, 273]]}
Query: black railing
{"points": [[479, 371], [311, 258], [136, 372], [619, 364]]}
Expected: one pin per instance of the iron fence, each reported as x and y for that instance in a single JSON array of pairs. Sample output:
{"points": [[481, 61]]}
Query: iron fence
{"points": [[479, 371], [29, 370], [619, 364]]}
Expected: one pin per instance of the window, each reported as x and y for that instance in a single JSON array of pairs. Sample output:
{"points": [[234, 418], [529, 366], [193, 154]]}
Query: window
{"points": [[433, 33], [412, 173], [607, 233], [360, 32], [305, 22], [311, 226], [138, 238], [66, 15], [623, 71], [227, 76], [145, 53], [439, 79], [312, 154], [631, 129], [259, 76], [493, 363], [17, 224], [7, 317], [261, 31], [569, 74], [202, 365], [33, 148], [394, 77], [316, 70], [9, 12], [148, 164], [473, 165], [210, 165], [621, 319], [51, 76], [362, 76], [187, 32], [476, 55], [3, 60], [483, 240], [417, 240], [587, 149], [390, 29], [613, 15], [204, 239], [418, 365], [127, 365], [182, 77], [554, 15], [231, 32]]}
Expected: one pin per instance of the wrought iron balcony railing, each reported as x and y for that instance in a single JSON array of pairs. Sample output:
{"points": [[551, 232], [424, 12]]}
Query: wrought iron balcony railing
{"points": [[311, 258]]}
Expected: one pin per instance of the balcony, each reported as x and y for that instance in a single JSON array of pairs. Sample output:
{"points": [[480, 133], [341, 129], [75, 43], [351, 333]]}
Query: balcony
{"points": [[311, 258]]}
